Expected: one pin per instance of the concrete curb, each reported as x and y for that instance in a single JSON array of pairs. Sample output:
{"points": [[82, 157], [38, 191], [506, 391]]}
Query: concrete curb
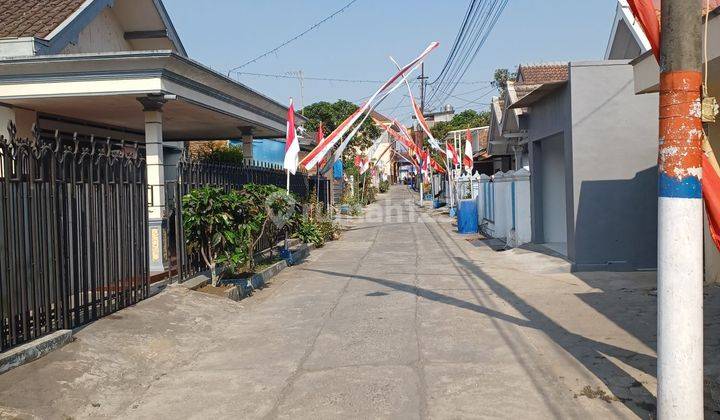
{"points": [[33, 350], [197, 282], [245, 287]]}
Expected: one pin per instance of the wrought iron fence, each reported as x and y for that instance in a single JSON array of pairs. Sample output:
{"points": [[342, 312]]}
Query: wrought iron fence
{"points": [[73, 233], [193, 174]]}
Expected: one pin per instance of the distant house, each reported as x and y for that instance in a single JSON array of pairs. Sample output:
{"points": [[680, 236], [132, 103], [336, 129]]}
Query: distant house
{"points": [[498, 147], [444, 115]]}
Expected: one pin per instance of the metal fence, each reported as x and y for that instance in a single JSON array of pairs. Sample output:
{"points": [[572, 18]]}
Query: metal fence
{"points": [[73, 233], [193, 174]]}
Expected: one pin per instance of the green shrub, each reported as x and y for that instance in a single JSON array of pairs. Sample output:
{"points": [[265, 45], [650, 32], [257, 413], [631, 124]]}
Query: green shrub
{"points": [[384, 186], [222, 155], [210, 216], [310, 232], [329, 230], [226, 227]]}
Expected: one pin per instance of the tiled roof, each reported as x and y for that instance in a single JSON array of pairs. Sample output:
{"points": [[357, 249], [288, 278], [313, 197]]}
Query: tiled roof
{"points": [[542, 73], [25, 18], [483, 138]]}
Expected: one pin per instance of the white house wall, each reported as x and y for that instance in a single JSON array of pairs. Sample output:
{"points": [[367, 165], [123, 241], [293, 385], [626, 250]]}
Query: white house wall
{"points": [[103, 34]]}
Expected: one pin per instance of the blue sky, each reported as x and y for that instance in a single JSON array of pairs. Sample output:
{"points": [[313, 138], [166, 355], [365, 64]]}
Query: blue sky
{"points": [[356, 44]]}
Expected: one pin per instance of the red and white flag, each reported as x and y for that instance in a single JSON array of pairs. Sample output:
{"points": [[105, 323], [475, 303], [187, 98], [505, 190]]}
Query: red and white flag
{"points": [[292, 144], [321, 150], [362, 163], [468, 156], [452, 153]]}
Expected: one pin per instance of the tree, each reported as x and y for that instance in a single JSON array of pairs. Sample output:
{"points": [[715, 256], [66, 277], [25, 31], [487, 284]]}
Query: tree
{"points": [[332, 115], [502, 76]]}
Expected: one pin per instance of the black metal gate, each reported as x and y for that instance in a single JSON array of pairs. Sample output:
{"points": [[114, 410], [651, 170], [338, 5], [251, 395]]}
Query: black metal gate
{"points": [[73, 233]]}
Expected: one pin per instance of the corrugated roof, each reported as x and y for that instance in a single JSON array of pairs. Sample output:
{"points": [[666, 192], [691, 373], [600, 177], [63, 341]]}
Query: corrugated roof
{"points": [[34, 18]]}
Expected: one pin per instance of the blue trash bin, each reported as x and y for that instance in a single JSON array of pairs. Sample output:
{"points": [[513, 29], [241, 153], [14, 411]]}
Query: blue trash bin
{"points": [[467, 217]]}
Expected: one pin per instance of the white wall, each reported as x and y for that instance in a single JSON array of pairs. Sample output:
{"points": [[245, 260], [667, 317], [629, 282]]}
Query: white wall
{"points": [[6, 115], [553, 190], [103, 34]]}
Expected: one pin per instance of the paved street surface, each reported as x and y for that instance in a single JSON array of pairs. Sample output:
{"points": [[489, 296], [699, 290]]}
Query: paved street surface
{"points": [[402, 318]]}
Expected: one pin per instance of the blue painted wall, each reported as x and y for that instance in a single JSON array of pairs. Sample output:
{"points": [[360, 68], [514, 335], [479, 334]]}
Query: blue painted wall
{"points": [[266, 150]]}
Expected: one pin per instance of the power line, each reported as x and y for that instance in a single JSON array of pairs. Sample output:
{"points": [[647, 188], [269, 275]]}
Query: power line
{"points": [[303, 33], [324, 79], [479, 21], [333, 79]]}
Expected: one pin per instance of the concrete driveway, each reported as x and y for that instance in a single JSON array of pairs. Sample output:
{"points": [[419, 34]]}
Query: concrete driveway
{"points": [[402, 318]]}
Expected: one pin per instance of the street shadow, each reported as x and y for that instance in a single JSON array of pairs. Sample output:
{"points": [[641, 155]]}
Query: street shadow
{"points": [[642, 402], [592, 354], [428, 294]]}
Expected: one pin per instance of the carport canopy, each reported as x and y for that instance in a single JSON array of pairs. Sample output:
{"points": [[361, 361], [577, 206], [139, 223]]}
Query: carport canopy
{"points": [[103, 89]]}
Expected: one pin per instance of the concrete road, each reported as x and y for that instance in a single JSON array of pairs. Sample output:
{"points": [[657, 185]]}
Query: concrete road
{"points": [[402, 318]]}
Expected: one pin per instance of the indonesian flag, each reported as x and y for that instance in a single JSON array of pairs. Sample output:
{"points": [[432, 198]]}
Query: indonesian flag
{"points": [[468, 156], [645, 12], [314, 157], [319, 137], [436, 167], [292, 144], [425, 162], [452, 153], [362, 163]]}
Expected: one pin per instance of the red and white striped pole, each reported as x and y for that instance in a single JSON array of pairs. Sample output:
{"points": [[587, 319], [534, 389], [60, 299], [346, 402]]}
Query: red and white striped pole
{"points": [[680, 214]]}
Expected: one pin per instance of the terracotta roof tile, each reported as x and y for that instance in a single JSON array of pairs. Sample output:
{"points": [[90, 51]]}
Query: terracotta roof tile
{"points": [[23, 18], [542, 73]]}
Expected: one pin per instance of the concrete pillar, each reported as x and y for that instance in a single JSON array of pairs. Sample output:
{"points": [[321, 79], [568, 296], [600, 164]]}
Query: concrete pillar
{"points": [[506, 187], [483, 185], [502, 210], [247, 142], [523, 222], [152, 108]]}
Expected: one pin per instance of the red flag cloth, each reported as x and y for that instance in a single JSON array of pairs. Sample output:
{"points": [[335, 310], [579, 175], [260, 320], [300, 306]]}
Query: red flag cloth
{"points": [[645, 12], [468, 155], [320, 135], [452, 153], [710, 188], [292, 144]]}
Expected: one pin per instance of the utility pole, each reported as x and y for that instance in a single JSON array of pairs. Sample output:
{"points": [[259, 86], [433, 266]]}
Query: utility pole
{"points": [[301, 78], [422, 78], [680, 214]]}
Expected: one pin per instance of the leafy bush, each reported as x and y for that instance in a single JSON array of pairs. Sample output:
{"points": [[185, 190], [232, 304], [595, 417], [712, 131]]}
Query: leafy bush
{"points": [[329, 230], [209, 220], [310, 232], [264, 205], [222, 155], [384, 186], [226, 227], [317, 232]]}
